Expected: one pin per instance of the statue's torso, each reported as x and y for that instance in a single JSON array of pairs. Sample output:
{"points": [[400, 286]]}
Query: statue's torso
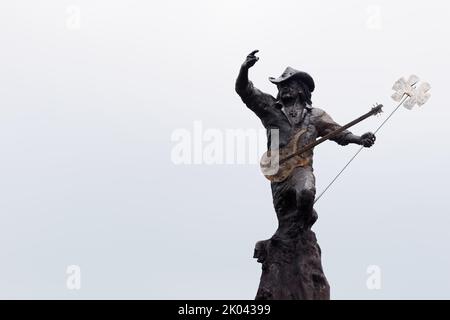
{"points": [[289, 120]]}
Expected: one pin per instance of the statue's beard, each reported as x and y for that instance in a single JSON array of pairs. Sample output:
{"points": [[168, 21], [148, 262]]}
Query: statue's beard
{"points": [[290, 96]]}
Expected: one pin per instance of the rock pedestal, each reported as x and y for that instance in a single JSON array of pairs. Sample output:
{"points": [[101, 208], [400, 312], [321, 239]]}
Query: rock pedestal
{"points": [[291, 265]]}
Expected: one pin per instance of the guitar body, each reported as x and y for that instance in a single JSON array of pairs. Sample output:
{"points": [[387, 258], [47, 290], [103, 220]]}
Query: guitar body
{"points": [[277, 165]]}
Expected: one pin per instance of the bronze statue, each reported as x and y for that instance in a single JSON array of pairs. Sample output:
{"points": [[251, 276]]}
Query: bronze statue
{"points": [[290, 112], [291, 258]]}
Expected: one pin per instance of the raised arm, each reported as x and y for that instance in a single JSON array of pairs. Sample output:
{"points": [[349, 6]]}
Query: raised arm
{"points": [[242, 82], [325, 125], [255, 99]]}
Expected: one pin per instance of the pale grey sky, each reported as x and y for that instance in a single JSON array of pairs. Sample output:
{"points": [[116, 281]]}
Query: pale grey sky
{"points": [[88, 107]]}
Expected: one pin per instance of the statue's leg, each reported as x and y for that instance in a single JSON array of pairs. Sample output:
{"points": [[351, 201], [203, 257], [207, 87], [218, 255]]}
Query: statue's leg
{"points": [[305, 194], [285, 204], [284, 197]]}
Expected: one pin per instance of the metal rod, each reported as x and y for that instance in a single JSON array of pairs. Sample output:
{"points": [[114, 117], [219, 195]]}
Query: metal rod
{"points": [[359, 150]]}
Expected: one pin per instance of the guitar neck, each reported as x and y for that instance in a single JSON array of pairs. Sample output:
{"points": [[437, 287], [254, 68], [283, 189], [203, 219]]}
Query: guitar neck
{"points": [[331, 135]]}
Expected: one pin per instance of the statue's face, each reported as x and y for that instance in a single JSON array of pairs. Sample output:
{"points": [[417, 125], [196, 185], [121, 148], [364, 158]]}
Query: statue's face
{"points": [[290, 89]]}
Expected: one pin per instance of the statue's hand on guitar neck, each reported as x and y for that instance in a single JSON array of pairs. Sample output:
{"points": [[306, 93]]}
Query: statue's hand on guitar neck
{"points": [[367, 139]]}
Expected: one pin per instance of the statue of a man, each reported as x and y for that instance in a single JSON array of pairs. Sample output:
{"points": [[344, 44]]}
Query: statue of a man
{"points": [[289, 112]]}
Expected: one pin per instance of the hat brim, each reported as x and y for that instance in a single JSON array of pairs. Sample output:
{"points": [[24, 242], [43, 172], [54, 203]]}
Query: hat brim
{"points": [[302, 76]]}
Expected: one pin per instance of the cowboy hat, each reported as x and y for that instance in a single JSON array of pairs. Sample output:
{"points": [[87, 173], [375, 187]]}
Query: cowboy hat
{"points": [[293, 73]]}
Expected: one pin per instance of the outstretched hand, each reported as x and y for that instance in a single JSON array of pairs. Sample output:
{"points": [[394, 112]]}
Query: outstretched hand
{"points": [[367, 139], [250, 60]]}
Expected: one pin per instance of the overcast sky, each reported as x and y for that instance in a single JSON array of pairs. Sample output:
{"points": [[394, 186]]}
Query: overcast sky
{"points": [[92, 91]]}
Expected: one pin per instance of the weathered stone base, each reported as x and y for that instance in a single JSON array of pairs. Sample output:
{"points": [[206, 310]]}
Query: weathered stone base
{"points": [[291, 268]]}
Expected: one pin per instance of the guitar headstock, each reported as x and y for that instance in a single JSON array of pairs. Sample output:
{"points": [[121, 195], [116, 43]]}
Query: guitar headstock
{"points": [[377, 109]]}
